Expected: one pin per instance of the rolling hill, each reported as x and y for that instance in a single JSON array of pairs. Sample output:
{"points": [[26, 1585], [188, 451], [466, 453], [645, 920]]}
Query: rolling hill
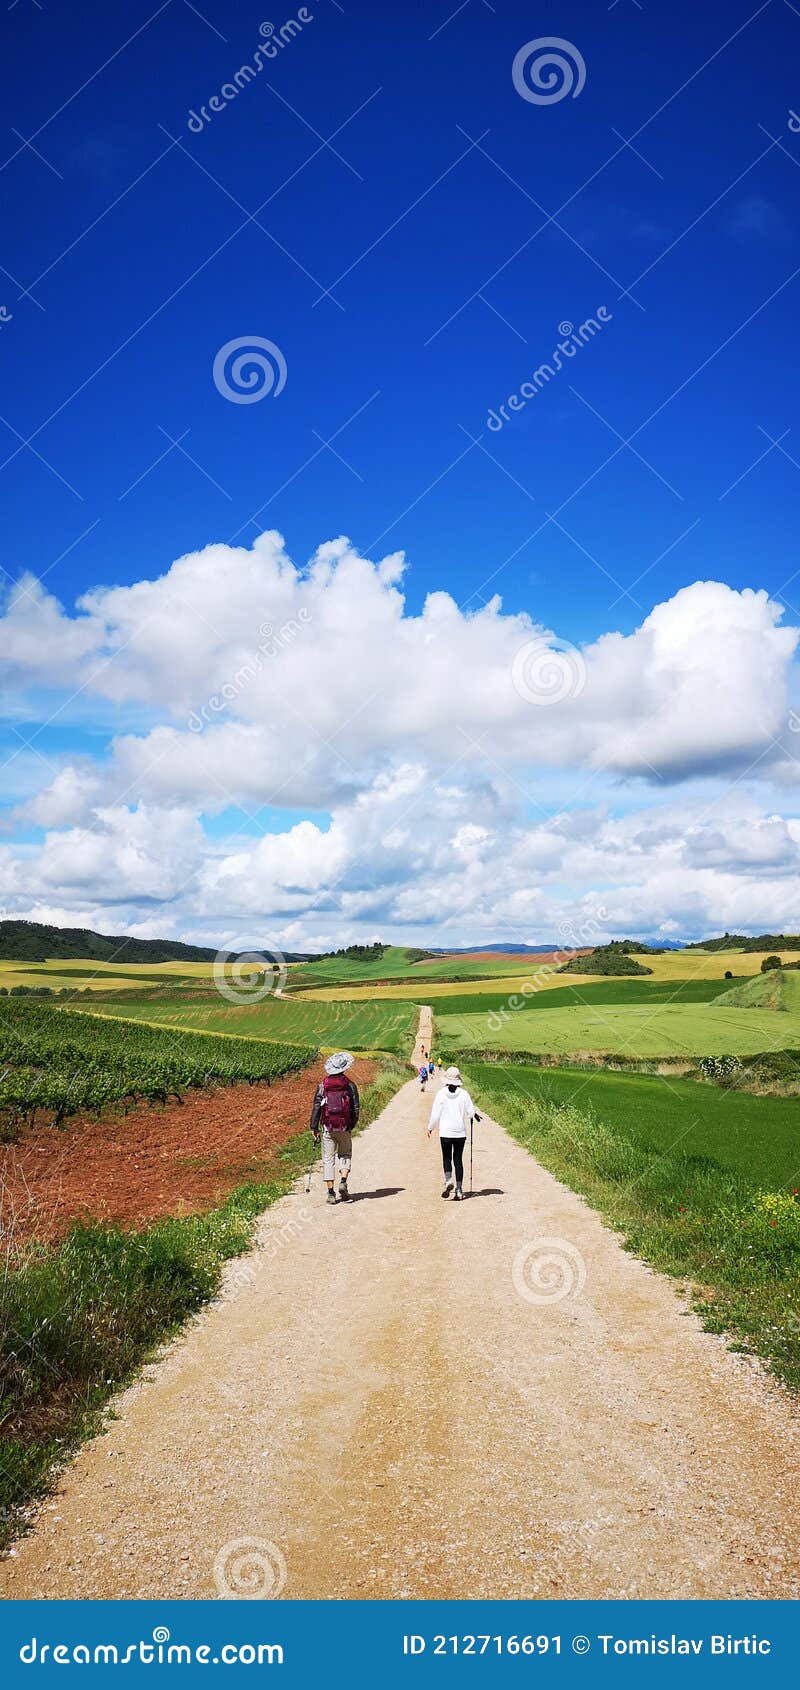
{"points": [[778, 989], [34, 941]]}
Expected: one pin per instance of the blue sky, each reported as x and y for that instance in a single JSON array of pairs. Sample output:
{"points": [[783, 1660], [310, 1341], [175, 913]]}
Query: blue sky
{"points": [[390, 160]]}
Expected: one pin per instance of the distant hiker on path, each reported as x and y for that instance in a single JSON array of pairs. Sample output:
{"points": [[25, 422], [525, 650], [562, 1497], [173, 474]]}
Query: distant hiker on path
{"points": [[335, 1111], [453, 1111], [423, 1075]]}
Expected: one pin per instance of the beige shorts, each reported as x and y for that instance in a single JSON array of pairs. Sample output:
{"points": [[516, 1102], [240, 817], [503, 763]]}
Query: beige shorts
{"points": [[336, 1146]]}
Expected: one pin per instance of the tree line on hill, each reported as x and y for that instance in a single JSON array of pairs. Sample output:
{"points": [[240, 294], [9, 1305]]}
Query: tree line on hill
{"points": [[374, 953], [746, 942], [357, 953]]}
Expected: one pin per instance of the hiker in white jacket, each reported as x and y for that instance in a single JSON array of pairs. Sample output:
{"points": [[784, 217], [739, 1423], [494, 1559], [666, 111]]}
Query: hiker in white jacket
{"points": [[453, 1112]]}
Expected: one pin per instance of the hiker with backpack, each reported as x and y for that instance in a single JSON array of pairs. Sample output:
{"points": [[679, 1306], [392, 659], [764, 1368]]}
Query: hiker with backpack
{"points": [[453, 1111], [334, 1114], [423, 1075]]}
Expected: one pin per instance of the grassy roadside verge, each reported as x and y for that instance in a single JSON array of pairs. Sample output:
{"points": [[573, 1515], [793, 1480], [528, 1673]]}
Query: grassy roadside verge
{"points": [[737, 1247], [78, 1320]]}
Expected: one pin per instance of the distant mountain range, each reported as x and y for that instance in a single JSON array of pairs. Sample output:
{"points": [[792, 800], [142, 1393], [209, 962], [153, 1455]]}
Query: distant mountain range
{"points": [[34, 941], [504, 950], [536, 950]]}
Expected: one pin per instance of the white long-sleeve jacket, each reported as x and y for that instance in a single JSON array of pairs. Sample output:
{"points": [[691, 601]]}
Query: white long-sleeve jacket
{"points": [[452, 1112]]}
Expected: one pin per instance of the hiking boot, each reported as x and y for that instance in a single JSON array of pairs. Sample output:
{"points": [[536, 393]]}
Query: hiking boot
{"points": [[332, 1198], [447, 1188], [343, 1191], [459, 1194]]}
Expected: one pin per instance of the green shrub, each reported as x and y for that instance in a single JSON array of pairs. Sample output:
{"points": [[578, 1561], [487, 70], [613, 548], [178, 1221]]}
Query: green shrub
{"points": [[773, 1065]]}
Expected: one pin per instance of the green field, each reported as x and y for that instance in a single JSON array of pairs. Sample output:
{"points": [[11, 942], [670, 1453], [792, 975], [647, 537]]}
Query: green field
{"points": [[684, 1009], [394, 974], [622, 990], [395, 965], [388, 1026], [758, 1138], [101, 976], [433, 979], [700, 1183], [699, 1014], [104, 972], [340, 973], [629, 1029], [484, 967]]}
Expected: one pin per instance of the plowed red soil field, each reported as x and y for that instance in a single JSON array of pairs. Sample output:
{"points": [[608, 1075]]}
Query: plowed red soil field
{"points": [[153, 1162]]}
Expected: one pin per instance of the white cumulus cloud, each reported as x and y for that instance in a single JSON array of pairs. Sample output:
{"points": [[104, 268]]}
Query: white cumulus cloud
{"points": [[413, 748]]}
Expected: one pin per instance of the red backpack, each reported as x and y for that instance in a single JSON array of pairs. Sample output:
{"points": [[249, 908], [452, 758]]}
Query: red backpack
{"points": [[337, 1103]]}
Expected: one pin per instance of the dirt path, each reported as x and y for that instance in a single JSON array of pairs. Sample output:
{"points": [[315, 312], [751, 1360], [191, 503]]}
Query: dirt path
{"points": [[426, 1429], [424, 1035]]}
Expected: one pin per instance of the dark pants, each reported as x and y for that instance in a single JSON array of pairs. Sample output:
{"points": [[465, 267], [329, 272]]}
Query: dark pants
{"points": [[453, 1156]]}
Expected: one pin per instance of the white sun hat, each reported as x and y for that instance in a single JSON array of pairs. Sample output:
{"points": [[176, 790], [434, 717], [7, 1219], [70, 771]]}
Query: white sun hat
{"points": [[339, 1062], [452, 1077]]}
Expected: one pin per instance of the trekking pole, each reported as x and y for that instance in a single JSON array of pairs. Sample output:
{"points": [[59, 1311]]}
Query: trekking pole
{"points": [[473, 1119]]}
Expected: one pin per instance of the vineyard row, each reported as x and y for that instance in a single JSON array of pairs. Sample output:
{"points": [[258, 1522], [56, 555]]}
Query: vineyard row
{"points": [[63, 1063]]}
